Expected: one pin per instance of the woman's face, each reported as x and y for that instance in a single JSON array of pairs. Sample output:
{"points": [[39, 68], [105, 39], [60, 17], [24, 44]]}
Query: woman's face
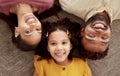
{"points": [[29, 28]]}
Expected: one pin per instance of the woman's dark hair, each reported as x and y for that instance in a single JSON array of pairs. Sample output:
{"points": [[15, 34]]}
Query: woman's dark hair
{"points": [[48, 27], [18, 41], [13, 22]]}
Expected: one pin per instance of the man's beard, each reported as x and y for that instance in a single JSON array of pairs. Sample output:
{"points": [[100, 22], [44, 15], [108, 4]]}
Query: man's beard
{"points": [[92, 55], [81, 52]]}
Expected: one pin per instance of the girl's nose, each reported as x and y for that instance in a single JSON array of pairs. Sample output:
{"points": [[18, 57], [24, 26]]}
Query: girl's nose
{"points": [[59, 47]]}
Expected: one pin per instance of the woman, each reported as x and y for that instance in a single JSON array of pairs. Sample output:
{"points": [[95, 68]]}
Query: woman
{"points": [[28, 32]]}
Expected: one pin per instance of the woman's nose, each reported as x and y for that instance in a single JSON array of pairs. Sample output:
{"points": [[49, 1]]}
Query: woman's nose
{"points": [[32, 24]]}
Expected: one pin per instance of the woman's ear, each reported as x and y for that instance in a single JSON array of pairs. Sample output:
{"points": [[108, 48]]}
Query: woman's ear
{"points": [[71, 46], [17, 32]]}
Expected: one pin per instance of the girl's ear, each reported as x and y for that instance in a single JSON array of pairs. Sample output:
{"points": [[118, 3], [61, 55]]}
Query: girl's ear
{"points": [[48, 48], [17, 32]]}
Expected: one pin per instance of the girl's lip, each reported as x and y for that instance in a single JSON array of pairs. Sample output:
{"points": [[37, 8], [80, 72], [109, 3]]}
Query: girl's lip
{"points": [[59, 54]]}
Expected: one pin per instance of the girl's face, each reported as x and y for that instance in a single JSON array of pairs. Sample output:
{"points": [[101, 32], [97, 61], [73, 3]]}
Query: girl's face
{"points": [[59, 46]]}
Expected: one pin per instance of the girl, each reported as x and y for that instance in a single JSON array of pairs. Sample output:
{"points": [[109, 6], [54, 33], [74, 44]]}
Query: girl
{"points": [[56, 53]]}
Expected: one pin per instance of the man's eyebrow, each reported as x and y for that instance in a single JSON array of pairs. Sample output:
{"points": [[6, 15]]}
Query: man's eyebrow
{"points": [[94, 40], [89, 39]]}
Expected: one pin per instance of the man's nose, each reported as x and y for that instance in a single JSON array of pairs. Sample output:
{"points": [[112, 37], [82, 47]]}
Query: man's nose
{"points": [[99, 30]]}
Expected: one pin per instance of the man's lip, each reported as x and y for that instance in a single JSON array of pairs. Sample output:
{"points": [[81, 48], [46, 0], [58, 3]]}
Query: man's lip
{"points": [[99, 24]]}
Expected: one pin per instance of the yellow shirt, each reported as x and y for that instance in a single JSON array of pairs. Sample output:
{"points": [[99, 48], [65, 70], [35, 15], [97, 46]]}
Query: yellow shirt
{"points": [[78, 67], [87, 8]]}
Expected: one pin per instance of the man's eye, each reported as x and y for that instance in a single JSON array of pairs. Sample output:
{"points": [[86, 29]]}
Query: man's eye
{"points": [[104, 37], [91, 35], [90, 38], [105, 40]]}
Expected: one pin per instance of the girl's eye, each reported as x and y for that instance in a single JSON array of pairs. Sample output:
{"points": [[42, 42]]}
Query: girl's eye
{"points": [[64, 43]]}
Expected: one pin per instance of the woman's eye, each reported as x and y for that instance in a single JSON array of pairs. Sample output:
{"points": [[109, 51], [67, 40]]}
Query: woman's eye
{"points": [[27, 32], [104, 37], [39, 30]]}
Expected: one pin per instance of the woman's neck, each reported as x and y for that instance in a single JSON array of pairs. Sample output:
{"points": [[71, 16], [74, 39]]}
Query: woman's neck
{"points": [[21, 9], [64, 63]]}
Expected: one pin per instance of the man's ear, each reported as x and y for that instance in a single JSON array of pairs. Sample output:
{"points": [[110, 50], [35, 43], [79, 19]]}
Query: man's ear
{"points": [[17, 32], [82, 32]]}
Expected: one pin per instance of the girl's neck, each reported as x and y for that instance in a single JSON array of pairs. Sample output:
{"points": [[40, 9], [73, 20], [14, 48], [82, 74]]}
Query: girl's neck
{"points": [[64, 63]]}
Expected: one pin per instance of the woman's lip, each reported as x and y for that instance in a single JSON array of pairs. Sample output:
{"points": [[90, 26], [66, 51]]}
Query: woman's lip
{"points": [[30, 18]]}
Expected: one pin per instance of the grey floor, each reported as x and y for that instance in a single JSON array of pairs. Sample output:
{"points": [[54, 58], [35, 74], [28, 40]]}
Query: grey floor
{"points": [[14, 62]]}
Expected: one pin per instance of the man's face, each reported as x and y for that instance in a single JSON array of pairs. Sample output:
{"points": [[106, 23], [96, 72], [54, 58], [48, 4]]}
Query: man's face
{"points": [[96, 35]]}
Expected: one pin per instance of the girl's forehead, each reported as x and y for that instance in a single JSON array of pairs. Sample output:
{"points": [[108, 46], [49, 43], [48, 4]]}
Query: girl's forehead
{"points": [[58, 35]]}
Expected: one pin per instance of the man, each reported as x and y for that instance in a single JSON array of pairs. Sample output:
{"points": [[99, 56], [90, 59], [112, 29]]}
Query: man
{"points": [[98, 15]]}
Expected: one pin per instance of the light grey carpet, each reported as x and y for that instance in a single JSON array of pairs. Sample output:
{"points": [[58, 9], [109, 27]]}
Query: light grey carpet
{"points": [[110, 65], [14, 62]]}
